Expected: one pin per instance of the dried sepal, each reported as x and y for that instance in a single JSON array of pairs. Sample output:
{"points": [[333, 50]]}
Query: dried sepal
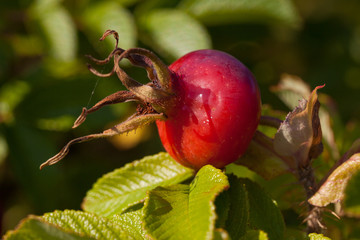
{"points": [[154, 98], [299, 135], [130, 124], [118, 97]]}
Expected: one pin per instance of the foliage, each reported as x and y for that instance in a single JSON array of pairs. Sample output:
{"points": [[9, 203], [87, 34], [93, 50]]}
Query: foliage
{"points": [[44, 84]]}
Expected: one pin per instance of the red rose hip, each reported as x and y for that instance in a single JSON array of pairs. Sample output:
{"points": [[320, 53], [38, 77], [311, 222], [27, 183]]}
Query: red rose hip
{"points": [[206, 104], [216, 112]]}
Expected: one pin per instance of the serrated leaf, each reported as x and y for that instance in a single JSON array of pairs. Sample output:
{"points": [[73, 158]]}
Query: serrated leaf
{"points": [[255, 235], [238, 11], [299, 135], [316, 236], [238, 215], [131, 223], [261, 157], [109, 15], [126, 186], [333, 186], [35, 228], [86, 224], [183, 211], [58, 27], [174, 33], [263, 212]]}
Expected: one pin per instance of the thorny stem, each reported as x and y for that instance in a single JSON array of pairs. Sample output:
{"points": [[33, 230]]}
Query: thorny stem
{"points": [[313, 218]]}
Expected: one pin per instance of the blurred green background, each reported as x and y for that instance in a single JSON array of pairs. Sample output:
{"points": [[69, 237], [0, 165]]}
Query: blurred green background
{"points": [[44, 81]]}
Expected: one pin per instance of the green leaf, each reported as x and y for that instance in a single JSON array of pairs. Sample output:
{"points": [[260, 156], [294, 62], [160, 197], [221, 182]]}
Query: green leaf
{"points": [[86, 224], [238, 11], [261, 157], [263, 212], [351, 203], [68, 224], [58, 28], [315, 236], [109, 15], [332, 187], [183, 211], [131, 223], [174, 33], [36, 228], [238, 215], [255, 235], [126, 186]]}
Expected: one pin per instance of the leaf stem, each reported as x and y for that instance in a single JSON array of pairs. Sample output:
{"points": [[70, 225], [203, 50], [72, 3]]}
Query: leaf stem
{"points": [[270, 121]]}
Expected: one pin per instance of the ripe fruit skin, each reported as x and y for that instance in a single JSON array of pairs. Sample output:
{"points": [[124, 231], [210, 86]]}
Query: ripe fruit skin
{"points": [[216, 113]]}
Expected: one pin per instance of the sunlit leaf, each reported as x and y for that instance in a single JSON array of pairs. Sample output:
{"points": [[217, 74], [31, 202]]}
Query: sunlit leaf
{"points": [[86, 224], [36, 228], [183, 211], [315, 236], [125, 186], [333, 186], [231, 11], [106, 15], [255, 235], [299, 136], [131, 223], [174, 32]]}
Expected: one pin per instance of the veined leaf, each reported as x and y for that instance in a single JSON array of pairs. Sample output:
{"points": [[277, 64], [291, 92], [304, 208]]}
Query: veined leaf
{"points": [[333, 186], [67, 225], [230, 11], [123, 187], [86, 224], [109, 15], [238, 215], [131, 223], [174, 33], [183, 211], [263, 212]]}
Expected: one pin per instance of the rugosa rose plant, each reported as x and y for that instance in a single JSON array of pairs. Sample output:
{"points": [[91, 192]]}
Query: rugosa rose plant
{"points": [[207, 109]]}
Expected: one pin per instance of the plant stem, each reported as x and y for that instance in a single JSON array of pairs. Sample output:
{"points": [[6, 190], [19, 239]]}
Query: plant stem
{"points": [[270, 121], [313, 219]]}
